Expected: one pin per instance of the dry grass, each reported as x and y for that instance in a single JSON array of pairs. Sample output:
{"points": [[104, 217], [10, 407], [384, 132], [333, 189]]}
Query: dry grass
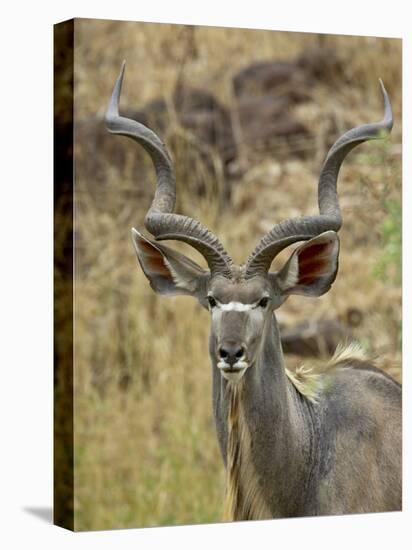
{"points": [[145, 448]]}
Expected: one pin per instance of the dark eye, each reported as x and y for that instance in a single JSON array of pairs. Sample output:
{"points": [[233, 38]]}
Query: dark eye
{"points": [[264, 302], [212, 301]]}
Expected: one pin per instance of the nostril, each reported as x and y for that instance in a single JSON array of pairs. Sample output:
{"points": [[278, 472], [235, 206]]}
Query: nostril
{"points": [[223, 353], [231, 353], [239, 353]]}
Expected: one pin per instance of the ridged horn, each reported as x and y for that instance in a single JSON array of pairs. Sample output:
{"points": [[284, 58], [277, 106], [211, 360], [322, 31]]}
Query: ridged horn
{"points": [[303, 228], [160, 220]]}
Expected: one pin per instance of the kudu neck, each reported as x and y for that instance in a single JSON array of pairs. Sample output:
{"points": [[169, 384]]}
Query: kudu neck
{"points": [[260, 429], [269, 381]]}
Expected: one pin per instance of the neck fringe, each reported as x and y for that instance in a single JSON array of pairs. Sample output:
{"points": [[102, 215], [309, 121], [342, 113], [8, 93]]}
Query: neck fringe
{"points": [[244, 499], [311, 381]]}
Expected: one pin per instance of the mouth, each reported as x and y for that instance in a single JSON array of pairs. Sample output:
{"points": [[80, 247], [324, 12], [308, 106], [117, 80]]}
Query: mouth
{"points": [[232, 373]]}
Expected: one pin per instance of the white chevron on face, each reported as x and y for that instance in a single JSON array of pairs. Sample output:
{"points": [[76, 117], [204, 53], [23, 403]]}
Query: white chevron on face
{"points": [[235, 306]]}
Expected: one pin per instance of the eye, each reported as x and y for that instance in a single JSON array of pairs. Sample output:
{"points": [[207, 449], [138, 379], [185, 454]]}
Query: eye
{"points": [[212, 301], [264, 302]]}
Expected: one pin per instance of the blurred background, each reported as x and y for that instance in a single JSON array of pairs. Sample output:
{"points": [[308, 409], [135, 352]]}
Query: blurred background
{"points": [[248, 117]]}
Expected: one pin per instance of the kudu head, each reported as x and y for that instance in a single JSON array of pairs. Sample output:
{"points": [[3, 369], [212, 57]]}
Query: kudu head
{"points": [[240, 299]]}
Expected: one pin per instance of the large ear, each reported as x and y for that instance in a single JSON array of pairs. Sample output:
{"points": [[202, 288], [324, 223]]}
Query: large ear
{"points": [[312, 267], [168, 271]]}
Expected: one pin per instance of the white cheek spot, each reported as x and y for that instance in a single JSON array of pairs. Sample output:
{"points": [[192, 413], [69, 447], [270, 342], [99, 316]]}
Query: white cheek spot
{"points": [[235, 306]]}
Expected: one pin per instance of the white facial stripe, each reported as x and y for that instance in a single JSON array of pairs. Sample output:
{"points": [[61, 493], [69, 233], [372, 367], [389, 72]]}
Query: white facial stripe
{"points": [[236, 306]]}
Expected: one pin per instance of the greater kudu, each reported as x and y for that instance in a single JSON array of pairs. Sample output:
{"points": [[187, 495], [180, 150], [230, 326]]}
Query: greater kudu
{"points": [[327, 443]]}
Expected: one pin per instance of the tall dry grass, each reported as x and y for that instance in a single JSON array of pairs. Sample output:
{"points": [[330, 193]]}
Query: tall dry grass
{"points": [[145, 447]]}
